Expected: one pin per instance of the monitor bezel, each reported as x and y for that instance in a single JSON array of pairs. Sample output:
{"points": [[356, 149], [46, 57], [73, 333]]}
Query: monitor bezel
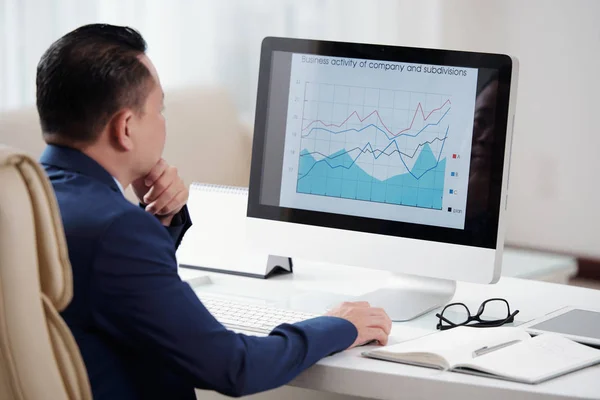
{"points": [[503, 64]]}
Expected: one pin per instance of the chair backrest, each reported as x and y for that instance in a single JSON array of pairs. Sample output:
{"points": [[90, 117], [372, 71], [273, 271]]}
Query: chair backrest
{"points": [[39, 359]]}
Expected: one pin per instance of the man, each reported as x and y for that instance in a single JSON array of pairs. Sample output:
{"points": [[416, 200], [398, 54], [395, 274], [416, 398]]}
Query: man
{"points": [[142, 332]]}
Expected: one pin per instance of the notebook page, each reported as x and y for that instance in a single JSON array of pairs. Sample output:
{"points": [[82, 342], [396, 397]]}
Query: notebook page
{"points": [[218, 218], [217, 238], [538, 359], [454, 344]]}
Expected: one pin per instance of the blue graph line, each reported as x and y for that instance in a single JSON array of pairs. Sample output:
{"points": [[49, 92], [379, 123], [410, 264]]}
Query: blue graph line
{"points": [[378, 128], [437, 162], [373, 151], [376, 157]]}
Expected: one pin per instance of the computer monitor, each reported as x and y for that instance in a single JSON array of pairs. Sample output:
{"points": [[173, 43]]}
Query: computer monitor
{"points": [[384, 157]]}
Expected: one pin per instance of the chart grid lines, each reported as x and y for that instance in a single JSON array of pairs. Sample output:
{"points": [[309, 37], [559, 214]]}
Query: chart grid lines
{"points": [[358, 171]]}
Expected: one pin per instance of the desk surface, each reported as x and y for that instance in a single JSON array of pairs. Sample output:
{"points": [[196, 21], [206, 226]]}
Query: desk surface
{"points": [[351, 374]]}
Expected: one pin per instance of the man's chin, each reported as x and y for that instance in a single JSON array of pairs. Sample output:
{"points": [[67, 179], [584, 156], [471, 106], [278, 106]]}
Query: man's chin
{"points": [[147, 167]]}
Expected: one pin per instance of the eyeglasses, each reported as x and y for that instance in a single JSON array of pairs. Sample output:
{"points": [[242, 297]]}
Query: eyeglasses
{"points": [[457, 314]]}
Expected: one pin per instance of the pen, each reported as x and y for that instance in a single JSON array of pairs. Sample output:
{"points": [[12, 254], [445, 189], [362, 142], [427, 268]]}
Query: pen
{"points": [[489, 349]]}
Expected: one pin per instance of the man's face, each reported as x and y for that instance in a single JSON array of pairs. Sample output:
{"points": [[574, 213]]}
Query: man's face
{"points": [[150, 127]]}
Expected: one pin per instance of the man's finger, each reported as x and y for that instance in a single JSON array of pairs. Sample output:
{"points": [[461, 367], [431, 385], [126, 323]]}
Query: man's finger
{"points": [[164, 182], [155, 172], [174, 205], [379, 335], [382, 337], [362, 304], [164, 199], [378, 311], [383, 318], [156, 192], [381, 322]]}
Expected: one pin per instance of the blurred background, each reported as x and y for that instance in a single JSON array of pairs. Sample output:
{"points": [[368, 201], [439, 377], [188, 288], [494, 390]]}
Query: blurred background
{"points": [[555, 175]]}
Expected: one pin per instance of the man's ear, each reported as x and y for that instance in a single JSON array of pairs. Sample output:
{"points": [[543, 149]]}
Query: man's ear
{"points": [[120, 130]]}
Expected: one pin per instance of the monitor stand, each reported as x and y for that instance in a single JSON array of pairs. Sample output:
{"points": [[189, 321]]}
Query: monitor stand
{"points": [[411, 296]]}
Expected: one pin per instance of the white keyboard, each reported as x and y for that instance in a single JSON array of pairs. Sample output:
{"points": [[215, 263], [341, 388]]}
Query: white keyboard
{"points": [[246, 316]]}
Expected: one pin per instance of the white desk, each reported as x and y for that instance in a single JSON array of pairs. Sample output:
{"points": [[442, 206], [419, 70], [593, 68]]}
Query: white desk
{"points": [[349, 374]]}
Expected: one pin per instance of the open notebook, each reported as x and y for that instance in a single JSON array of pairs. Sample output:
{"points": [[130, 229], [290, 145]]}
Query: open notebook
{"points": [[504, 353]]}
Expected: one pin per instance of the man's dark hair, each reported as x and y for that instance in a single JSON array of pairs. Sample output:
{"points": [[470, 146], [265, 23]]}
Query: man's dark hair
{"points": [[85, 77]]}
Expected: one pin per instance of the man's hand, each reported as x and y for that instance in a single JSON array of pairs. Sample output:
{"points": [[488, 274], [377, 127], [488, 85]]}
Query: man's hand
{"points": [[371, 323], [163, 191]]}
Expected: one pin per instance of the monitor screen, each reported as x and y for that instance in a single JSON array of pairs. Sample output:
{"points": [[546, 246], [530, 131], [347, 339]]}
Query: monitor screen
{"points": [[398, 141]]}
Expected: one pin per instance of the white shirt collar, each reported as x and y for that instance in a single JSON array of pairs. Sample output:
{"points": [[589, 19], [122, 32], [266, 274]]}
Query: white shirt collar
{"points": [[119, 185]]}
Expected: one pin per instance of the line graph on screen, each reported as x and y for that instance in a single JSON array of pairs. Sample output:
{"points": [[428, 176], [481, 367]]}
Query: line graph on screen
{"points": [[373, 144]]}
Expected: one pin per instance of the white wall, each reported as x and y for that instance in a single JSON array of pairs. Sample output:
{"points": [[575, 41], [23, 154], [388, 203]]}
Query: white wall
{"points": [[554, 195], [201, 41], [555, 177]]}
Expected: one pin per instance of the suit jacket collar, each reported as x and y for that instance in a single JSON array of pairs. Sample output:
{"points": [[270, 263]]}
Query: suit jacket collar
{"points": [[74, 160]]}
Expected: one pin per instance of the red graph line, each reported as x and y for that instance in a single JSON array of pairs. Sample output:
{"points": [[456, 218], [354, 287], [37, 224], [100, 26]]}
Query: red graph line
{"points": [[419, 107]]}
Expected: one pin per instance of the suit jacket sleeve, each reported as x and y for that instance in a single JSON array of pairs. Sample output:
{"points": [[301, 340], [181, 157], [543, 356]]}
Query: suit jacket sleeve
{"points": [[140, 301], [180, 224]]}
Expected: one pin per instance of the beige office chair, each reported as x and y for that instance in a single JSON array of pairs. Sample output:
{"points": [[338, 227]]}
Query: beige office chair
{"points": [[39, 359]]}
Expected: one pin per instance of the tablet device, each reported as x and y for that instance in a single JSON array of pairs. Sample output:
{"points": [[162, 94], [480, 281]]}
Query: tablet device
{"points": [[579, 324]]}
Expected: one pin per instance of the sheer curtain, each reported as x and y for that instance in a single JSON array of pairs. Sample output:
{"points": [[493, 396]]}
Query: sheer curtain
{"points": [[203, 41]]}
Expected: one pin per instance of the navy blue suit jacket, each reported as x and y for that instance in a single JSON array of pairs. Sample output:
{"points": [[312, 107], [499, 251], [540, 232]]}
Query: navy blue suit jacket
{"points": [[142, 332]]}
